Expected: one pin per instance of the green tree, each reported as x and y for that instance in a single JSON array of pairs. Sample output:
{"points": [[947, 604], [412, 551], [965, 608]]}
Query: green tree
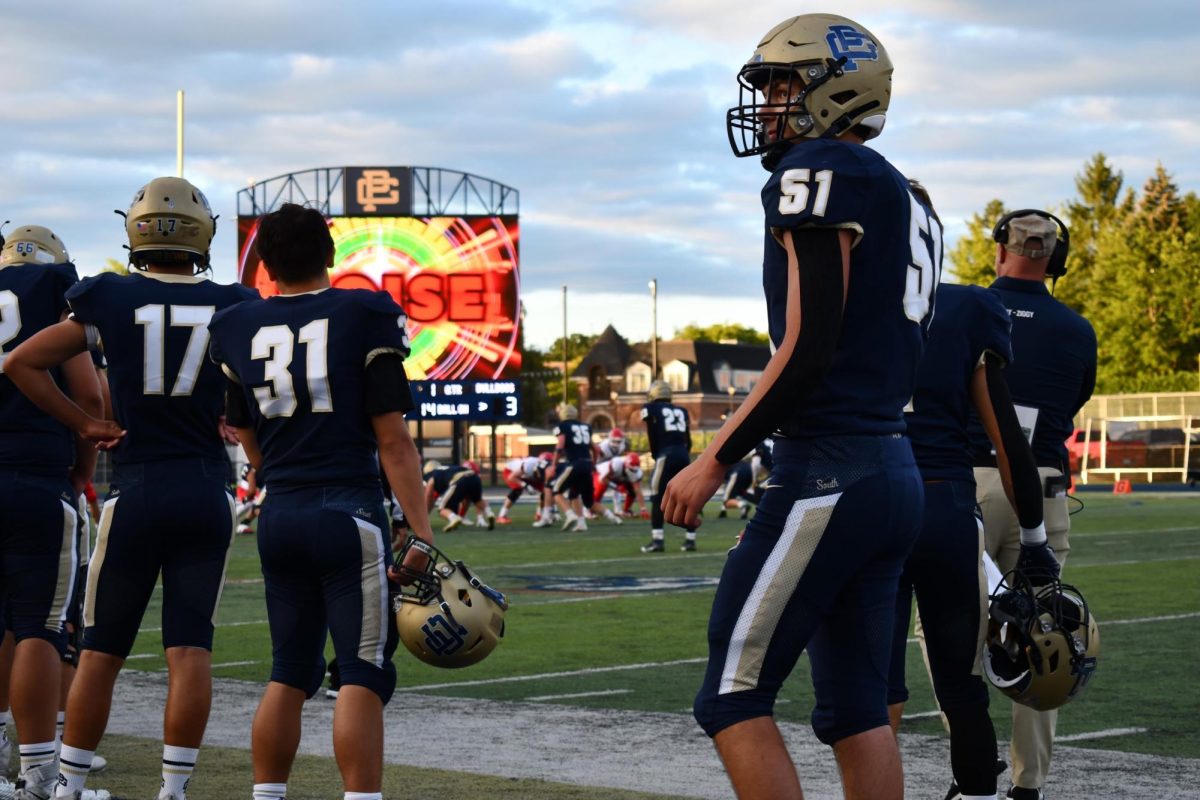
{"points": [[112, 265], [1094, 211], [1147, 315], [973, 258], [720, 331]]}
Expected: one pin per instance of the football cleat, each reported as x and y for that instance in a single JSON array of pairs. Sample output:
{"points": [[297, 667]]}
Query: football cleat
{"points": [[654, 546], [37, 783], [580, 525], [956, 794], [721, 514], [569, 522], [688, 546], [1019, 793], [491, 522], [541, 523], [505, 521], [99, 764], [454, 522]]}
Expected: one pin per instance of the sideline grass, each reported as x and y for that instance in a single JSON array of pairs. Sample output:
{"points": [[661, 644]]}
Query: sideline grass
{"points": [[591, 600], [224, 773]]}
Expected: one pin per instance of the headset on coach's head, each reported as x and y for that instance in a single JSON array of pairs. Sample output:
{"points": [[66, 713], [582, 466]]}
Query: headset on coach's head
{"points": [[1057, 266]]}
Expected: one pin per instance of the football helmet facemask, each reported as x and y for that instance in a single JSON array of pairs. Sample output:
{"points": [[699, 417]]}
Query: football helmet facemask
{"points": [[445, 615], [169, 215], [813, 76], [33, 244], [659, 390], [1042, 642]]}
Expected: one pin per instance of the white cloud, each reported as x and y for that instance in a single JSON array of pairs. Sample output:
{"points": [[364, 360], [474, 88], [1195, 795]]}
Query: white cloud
{"points": [[607, 115]]}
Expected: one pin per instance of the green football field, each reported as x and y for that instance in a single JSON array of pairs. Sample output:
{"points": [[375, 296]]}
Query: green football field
{"points": [[595, 623]]}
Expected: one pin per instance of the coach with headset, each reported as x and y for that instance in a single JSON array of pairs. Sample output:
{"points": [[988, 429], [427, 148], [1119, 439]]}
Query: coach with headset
{"points": [[1051, 376]]}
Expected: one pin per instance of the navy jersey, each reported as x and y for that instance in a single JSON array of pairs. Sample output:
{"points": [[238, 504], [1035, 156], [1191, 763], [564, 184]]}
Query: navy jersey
{"points": [[153, 330], [668, 428], [765, 450], [1053, 371], [577, 439], [31, 298], [446, 476], [301, 361], [970, 322], [894, 268]]}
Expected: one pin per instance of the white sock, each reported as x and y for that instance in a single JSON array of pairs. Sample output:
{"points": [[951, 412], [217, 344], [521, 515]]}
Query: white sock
{"points": [[177, 766], [73, 766], [270, 791], [363, 796], [691, 536], [35, 755], [656, 534]]}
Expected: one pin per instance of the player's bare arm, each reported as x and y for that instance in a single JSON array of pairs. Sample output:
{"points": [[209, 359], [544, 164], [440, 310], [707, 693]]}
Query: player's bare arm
{"points": [[29, 368], [800, 360], [1017, 467], [85, 389]]}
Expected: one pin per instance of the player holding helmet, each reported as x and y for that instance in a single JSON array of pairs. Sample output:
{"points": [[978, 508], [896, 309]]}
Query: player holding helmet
{"points": [[850, 264], [312, 425], [169, 510]]}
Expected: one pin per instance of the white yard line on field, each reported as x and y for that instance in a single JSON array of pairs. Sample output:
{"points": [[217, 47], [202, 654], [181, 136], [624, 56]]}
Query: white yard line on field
{"points": [[602, 693], [1165, 618], [544, 675], [1104, 734]]}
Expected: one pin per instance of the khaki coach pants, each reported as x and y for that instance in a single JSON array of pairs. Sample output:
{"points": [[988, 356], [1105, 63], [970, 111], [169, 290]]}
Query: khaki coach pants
{"points": [[1033, 731]]}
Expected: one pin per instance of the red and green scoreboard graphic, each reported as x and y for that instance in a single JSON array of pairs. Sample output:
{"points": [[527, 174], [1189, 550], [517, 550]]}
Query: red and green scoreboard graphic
{"points": [[456, 277]]}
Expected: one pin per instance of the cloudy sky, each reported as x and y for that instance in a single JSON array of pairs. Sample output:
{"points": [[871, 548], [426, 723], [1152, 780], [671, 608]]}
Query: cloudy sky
{"points": [[607, 115]]}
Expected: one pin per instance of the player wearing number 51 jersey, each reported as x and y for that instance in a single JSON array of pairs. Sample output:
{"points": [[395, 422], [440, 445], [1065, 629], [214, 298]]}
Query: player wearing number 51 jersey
{"points": [[169, 509], [850, 262], [317, 385]]}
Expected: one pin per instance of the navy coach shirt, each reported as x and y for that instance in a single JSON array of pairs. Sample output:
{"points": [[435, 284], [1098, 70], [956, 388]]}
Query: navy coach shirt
{"points": [[1053, 371]]}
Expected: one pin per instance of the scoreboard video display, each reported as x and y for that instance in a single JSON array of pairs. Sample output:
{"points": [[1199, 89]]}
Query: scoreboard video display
{"points": [[457, 278]]}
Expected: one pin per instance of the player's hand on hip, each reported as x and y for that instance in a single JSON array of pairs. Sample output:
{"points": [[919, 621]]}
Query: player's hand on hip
{"points": [[103, 433], [690, 489]]}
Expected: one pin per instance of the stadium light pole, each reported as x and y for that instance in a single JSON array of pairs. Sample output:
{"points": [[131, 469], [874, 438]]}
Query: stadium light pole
{"points": [[654, 328], [564, 343], [179, 133]]}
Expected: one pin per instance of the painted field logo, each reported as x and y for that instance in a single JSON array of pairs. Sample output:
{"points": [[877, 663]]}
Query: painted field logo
{"points": [[616, 583], [443, 637]]}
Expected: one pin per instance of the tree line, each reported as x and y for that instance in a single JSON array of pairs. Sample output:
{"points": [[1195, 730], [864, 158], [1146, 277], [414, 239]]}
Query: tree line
{"points": [[1133, 271]]}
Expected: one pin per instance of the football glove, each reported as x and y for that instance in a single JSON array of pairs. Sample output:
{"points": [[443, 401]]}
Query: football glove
{"points": [[1038, 563]]}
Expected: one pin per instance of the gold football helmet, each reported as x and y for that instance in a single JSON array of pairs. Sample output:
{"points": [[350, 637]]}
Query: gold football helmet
{"points": [[170, 214], [431, 466], [446, 616], [659, 390], [1042, 642], [33, 244], [813, 76], [567, 411]]}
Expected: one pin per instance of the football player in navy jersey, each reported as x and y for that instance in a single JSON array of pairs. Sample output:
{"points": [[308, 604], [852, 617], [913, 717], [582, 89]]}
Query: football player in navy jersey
{"points": [[169, 509], [962, 371], [1052, 376], [453, 489], [669, 431], [317, 389], [43, 471], [572, 484], [851, 259]]}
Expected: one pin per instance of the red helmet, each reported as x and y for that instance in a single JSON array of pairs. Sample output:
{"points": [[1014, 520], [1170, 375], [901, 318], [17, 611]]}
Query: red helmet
{"points": [[615, 433], [633, 460], [471, 465], [545, 457]]}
